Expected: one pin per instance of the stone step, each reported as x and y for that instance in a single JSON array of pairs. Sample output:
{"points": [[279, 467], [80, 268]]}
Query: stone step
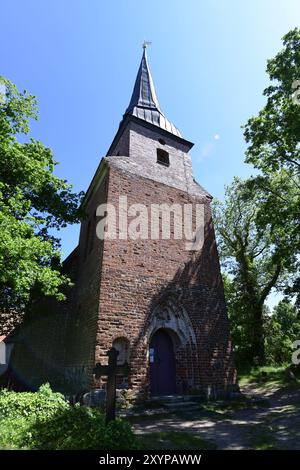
{"points": [[175, 399]]}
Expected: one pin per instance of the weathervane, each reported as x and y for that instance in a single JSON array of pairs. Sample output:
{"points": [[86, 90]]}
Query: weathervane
{"points": [[146, 44]]}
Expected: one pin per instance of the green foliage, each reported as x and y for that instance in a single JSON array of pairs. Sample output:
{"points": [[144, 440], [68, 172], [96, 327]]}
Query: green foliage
{"points": [[274, 134], [273, 137], [268, 377], [258, 224], [44, 420], [240, 320], [282, 329], [255, 260], [43, 404], [33, 201]]}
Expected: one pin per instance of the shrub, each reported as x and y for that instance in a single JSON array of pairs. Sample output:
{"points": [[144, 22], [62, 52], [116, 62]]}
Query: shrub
{"points": [[44, 420], [82, 428], [42, 405]]}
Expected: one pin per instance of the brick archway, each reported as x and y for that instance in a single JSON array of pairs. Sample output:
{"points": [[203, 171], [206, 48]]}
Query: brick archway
{"points": [[171, 317]]}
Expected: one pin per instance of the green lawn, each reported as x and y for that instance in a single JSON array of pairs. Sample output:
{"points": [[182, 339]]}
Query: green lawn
{"points": [[268, 377]]}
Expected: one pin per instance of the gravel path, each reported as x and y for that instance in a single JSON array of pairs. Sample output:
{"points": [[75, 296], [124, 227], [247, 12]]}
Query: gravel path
{"points": [[273, 425]]}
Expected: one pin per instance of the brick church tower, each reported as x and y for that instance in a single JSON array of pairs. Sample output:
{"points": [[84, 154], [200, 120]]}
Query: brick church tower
{"points": [[160, 304]]}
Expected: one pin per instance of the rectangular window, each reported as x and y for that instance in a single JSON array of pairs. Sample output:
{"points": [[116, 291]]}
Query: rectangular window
{"points": [[163, 157]]}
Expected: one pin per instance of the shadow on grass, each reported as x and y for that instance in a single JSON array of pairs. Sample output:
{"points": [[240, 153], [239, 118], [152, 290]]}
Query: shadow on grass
{"points": [[269, 376], [171, 440], [227, 406]]}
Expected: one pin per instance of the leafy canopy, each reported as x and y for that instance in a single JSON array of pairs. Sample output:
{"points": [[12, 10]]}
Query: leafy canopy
{"points": [[274, 134], [258, 224], [255, 258], [33, 201], [274, 149]]}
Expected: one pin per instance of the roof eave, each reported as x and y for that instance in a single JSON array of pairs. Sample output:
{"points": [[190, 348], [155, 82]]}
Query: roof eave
{"points": [[128, 117], [99, 174]]}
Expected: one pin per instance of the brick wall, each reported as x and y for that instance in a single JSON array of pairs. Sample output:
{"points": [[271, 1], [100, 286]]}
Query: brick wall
{"points": [[82, 325], [141, 158], [138, 276]]}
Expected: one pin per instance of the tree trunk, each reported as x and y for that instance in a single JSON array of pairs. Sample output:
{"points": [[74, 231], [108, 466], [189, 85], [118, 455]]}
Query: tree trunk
{"points": [[257, 352]]}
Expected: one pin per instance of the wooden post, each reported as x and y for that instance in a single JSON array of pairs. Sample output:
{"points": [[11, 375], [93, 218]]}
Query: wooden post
{"points": [[111, 371], [111, 385]]}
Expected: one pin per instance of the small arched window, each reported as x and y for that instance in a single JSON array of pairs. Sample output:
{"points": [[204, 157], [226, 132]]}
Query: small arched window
{"points": [[122, 346], [163, 157]]}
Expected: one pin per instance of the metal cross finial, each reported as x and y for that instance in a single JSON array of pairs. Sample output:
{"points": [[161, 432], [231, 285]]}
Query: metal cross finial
{"points": [[146, 44]]}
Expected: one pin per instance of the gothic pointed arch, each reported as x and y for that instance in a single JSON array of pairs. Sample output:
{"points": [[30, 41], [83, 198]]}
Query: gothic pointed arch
{"points": [[171, 315]]}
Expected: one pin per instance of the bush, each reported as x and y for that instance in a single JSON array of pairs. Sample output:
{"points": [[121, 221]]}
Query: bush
{"points": [[41, 405], [44, 420]]}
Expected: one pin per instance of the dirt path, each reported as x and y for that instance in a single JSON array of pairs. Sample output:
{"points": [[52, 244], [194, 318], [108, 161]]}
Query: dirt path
{"points": [[275, 423]]}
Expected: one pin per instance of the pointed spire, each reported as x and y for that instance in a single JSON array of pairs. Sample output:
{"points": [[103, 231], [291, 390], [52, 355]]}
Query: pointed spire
{"points": [[144, 94], [144, 103]]}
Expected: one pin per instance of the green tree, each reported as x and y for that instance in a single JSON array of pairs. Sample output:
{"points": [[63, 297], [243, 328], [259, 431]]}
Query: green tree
{"points": [[273, 137], [283, 328], [239, 320], [256, 261], [33, 202], [258, 225]]}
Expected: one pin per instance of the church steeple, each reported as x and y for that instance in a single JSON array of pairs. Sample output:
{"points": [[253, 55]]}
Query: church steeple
{"points": [[144, 103]]}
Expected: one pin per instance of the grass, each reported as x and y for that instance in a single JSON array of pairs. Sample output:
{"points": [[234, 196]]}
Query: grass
{"points": [[263, 438], [172, 440], [263, 441], [227, 406], [268, 377]]}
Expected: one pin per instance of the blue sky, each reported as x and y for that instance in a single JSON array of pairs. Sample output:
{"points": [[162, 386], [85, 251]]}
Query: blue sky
{"points": [[80, 59]]}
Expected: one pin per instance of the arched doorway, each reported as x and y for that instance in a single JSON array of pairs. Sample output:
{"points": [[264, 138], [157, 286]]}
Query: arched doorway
{"points": [[162, 364]]}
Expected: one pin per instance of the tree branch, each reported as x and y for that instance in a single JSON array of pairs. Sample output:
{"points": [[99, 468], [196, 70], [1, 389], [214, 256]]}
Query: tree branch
{"points": [[266, 290]]}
